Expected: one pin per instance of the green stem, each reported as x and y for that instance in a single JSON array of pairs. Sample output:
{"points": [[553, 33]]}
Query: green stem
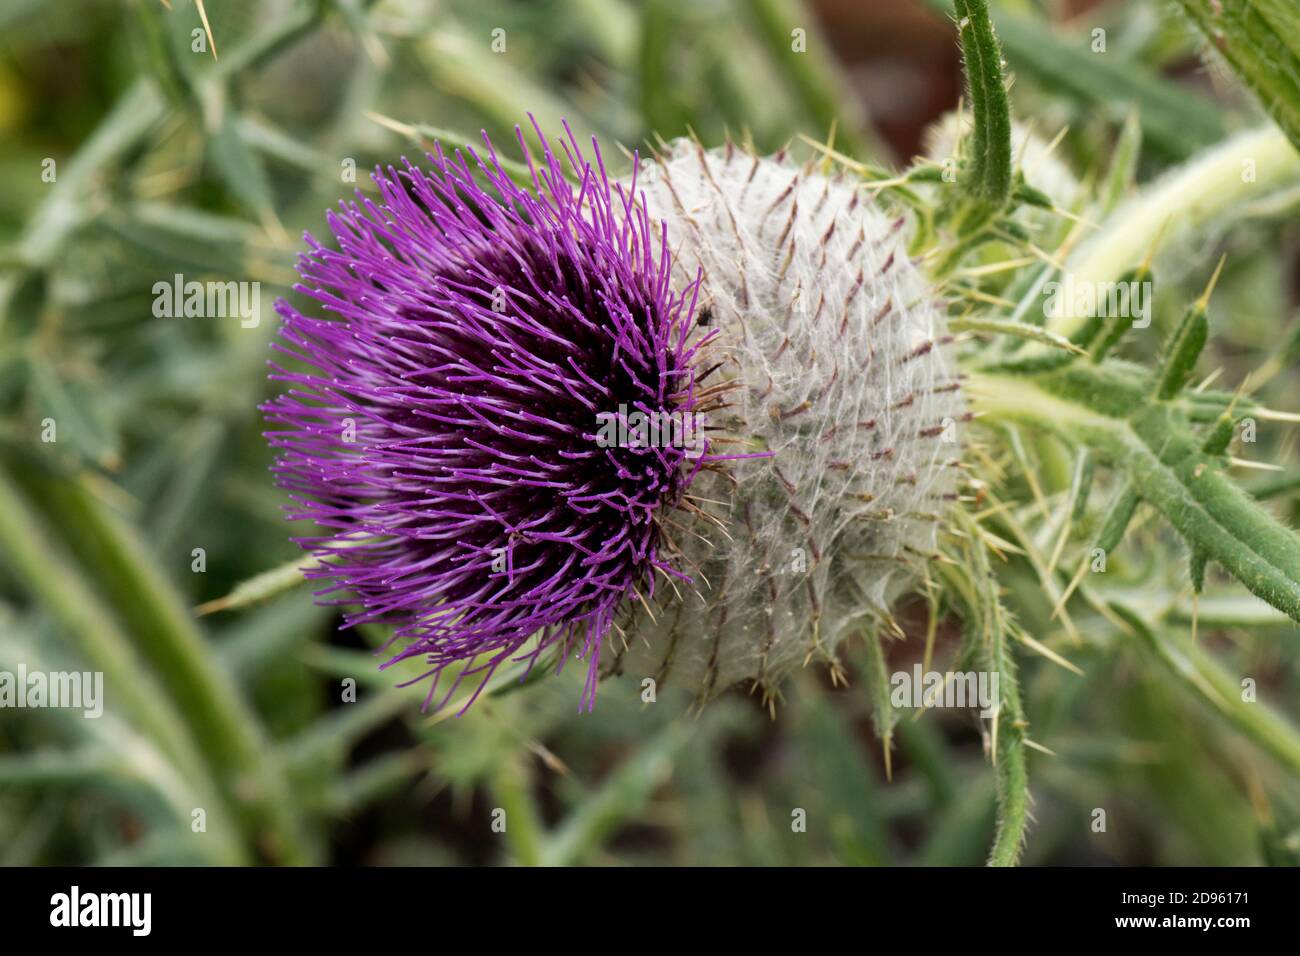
{"points": [[986, 616], [224, 726], [1182, 201], [883, 716], [1176, 122], [330, 738], [1168, 469], [65, 209], [164, 752], [512, 790], [374, 780], [264, 44], [70, 600], [622, 796], [56, 767], [1018, 330], [989, 179]]}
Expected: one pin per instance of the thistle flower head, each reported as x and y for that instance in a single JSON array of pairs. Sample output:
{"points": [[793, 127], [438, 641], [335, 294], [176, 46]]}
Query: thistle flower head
{"points": [[448, 427], [444, 425], [835, 350]]}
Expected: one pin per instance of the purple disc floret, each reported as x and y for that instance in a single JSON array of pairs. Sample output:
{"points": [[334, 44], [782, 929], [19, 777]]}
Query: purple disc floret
{"points": [[441, 425]]}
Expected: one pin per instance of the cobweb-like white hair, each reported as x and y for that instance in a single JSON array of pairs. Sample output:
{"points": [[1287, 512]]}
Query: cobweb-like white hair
{"points": [[836, 353]]}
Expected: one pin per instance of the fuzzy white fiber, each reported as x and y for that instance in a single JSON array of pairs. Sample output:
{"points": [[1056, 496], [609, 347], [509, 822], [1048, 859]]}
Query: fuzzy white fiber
{"points": [[837, 353]]}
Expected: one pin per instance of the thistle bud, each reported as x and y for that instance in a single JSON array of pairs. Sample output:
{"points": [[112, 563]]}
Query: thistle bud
{"points": [[828, 356]]}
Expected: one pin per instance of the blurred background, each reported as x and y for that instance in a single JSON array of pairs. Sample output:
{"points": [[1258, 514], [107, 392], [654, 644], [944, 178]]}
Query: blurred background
{"points": [[130, 153]]}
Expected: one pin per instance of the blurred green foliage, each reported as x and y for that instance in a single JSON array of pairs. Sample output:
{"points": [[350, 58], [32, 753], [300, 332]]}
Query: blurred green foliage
{"points": [[169, 160]]}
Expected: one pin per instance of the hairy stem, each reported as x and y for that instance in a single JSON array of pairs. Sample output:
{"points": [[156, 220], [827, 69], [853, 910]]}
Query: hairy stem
{"points": [[989, 179], [988, 639]]}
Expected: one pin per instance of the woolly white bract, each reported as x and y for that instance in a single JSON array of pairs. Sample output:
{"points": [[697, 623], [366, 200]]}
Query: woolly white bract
{"points": [[834, 347]]}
